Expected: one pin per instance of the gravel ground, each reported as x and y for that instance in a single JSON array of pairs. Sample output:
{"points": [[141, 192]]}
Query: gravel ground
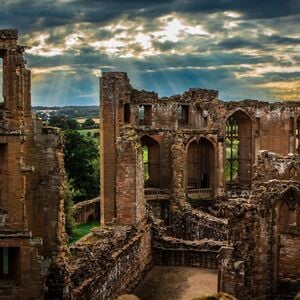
{"points": [[176, 283]]}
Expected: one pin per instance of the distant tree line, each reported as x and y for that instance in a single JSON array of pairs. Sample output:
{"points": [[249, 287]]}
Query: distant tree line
{"points": [[65, 123], [70, 111]]}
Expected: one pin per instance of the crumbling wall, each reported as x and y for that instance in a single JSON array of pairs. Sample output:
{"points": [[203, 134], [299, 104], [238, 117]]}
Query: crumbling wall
{"points": [[262, 260], [31, 182], [46, 188], [109, 262], [86, 211], [197, 225], [130, 200], [170, 251]]}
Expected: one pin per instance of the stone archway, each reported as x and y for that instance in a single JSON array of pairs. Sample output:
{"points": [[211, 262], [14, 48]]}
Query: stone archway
{"points": [[151, 160], [286, 239], [239, 148]]}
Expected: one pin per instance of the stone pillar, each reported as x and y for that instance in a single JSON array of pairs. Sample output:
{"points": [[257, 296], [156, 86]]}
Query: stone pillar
{"points": [[179, 175], [226, 278], [220, 172], [130, 200], [114, 91]]}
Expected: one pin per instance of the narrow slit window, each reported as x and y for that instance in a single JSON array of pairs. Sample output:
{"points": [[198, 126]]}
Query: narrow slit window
{"points": [[126, 113], [146, 162], [141, 113], [183, 115], [9, 263], [145, 114], [232, 145], [5, 261]]}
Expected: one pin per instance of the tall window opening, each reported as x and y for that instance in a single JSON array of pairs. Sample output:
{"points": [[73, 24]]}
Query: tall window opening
{"points": [[289, 214], [151, 160], [145, 115], [146, 162], [1, 81], [287, 228], [206, 163], [298, 136], [201, 164], [9, 263], [193, 165], [126, 113], [183, 115], [238, 149]]}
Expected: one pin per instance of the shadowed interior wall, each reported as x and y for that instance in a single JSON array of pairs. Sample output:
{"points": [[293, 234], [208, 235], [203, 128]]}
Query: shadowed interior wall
{"points": [[201, 164], [152, 163]]}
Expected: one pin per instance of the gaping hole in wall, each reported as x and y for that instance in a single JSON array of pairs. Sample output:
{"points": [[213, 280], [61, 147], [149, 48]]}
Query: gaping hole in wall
{"points": [[298, 136], [289, 214], [201, 117], [145, 114], [1, 81], [201, 164], [10, 263], [183, 115], [286, 230], [126, 113], [238, 149], [151, 160]]}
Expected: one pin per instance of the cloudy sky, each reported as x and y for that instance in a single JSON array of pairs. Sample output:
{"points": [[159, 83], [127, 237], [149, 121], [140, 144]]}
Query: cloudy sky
{"points": [[243, 48]]}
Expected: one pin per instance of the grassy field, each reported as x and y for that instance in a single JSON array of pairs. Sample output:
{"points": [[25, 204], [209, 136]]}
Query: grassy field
{"points": [[91, 133], [81, 230], [85, 131]]}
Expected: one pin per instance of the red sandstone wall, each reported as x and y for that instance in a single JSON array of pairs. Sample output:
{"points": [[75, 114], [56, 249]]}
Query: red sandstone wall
{"points": [[109, 268]]}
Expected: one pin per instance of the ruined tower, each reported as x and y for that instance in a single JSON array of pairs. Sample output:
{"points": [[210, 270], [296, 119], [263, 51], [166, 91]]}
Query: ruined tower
{"points": [[122, 198], [31, 182]]}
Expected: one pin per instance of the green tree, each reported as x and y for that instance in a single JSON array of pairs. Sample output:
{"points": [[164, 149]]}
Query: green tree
{"points": [[64, 122], [89, 124], [82, 164], [68, 204]]}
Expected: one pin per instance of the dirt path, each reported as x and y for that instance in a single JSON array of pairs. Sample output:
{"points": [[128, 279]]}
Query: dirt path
{"points": [[176, 283]]}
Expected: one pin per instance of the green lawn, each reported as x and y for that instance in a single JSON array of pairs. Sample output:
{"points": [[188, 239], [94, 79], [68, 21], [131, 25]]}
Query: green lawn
{"points": [[81, 230], [91, 133], [85, 131]]}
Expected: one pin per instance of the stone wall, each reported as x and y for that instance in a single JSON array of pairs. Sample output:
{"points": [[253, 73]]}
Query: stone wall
{"points": [[86, 211], [198, 225], [170, 251], [109, 262], [31, 183], [46, 188], [262, 260]]}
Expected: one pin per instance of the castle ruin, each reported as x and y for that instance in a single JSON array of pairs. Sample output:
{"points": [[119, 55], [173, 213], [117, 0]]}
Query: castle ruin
{"points": [[187, 180]]}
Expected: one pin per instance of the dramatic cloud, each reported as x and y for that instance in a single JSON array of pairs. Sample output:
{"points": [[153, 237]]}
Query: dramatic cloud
{"points": [[246, 49]]}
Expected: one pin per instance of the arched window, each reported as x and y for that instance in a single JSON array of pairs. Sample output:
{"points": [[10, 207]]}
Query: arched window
{"points": [[201, 164], [289, 209], [238, 148], [151, 160]]}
